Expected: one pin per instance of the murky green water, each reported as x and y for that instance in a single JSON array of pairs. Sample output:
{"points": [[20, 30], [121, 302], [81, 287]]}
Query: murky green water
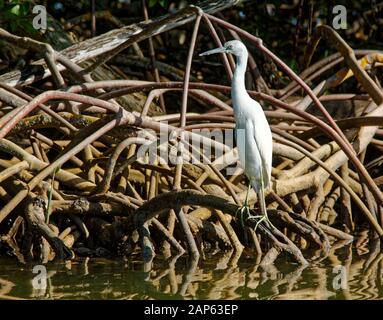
{"points": [[345, 273]]}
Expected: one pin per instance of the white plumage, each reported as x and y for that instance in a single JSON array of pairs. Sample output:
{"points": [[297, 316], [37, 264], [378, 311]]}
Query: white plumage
{"points": [[253, 134]]}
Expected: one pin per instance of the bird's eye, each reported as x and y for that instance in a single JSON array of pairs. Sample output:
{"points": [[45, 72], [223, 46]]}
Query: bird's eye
{"points": [[229, 47]]}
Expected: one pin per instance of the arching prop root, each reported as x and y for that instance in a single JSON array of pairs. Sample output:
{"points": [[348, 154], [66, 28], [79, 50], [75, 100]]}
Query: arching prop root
{"points": [[67, 134], [308, 230]]}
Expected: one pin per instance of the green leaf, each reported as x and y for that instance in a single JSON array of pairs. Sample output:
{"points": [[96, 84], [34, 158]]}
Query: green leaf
{"points": [[163, 3], [27, 26], [152, 3], [25, 8], [15, 10]]}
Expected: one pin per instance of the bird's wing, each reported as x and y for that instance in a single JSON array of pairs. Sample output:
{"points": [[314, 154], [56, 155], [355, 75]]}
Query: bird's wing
{"points": [[263, 140]]}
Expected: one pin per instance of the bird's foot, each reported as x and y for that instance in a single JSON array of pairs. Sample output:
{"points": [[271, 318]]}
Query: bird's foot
{"points": [[243, 213], [261, 218]]}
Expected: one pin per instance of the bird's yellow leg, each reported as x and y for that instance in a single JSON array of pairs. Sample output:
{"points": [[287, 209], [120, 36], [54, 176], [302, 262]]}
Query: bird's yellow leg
{"points": [[262, 206], [245, 209], [241, 213]]}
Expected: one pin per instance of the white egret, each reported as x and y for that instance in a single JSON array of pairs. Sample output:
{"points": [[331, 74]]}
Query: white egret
{"points": [[252, 131]]}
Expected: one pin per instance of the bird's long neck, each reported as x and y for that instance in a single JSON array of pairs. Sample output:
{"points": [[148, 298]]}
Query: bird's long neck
{"points": [[238, 88]]}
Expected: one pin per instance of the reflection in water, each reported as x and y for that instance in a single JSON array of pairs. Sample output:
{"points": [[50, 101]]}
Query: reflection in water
{"points": [[345, 273]]}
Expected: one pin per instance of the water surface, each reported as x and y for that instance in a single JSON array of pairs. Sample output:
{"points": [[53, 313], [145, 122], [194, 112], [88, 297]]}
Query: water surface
{"points": [[346, 273]]}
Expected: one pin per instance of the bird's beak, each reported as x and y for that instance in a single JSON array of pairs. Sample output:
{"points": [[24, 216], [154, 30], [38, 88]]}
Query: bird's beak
{"points": [[217, 50]]}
